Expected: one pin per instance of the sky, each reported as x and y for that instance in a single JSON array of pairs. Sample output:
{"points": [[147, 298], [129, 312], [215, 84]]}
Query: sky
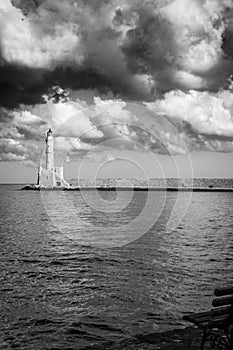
{"points": [[130, 88]]}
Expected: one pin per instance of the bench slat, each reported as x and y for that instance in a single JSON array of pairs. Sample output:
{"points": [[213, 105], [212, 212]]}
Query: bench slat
{"points": [[214, 313], [227, 300], [220, 322], [219, 311], [224, 310], [200, 314], [219, 292], [199, 318], [214, 322], [197, 322]]}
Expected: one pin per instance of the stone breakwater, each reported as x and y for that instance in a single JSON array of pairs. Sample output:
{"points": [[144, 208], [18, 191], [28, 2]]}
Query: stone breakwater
{"points": [[198, 183], [155, 184]]}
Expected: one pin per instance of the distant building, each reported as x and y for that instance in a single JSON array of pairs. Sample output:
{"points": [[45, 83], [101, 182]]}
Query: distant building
{"points": [[50, 176]]}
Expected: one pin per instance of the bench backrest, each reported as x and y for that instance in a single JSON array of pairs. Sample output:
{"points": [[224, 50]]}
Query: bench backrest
{"points": [[223, 303]]}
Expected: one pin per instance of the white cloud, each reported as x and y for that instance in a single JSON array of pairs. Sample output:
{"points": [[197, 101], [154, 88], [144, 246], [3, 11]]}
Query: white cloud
{"points": [[70, 144], [198, 37], [26, 117], [187, 80], [210, 114], [11, 150], [69, 119], [200, 120], [76, 126], [11, 157], [24, 40]]}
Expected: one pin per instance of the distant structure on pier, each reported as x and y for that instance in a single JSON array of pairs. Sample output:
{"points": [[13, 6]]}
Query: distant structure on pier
{"points": [[50, 176]]}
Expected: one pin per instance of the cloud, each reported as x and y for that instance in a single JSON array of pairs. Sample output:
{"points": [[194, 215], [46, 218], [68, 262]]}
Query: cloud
{"points": [[180, 122], [227, 44], [20, 135], [11, 150], [198, 28], [138, 50], [203, 120], [6, 116], [28, 125], [76, 125], [173, 56], [70, 144], [27, 118], [26, 40], [207, 114]]}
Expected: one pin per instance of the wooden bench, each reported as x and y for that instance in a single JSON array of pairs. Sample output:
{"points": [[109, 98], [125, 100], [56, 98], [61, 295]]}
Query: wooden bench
{"points": [[216, 324]]}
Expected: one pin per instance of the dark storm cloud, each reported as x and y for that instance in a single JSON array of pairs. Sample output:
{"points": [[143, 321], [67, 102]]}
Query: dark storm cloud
{"points": [[150, 49], [27, 6], [19, 84], [174, 54], [227, 45], [136, 50]]}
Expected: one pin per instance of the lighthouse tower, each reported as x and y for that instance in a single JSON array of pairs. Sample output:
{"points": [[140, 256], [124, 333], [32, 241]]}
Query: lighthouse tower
{"points": [[50, 176], [46, 177], [49, 152]]}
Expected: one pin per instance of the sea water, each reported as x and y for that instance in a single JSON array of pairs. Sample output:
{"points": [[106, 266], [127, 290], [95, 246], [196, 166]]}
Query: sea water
{"points": [[82, 268]]}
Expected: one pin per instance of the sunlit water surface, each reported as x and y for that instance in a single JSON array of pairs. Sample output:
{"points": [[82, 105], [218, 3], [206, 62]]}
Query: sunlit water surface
{"points": [[76, 271]]}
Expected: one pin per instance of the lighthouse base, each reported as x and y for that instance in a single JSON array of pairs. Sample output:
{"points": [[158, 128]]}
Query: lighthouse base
{"points": [[52, 178], [47, 179]]}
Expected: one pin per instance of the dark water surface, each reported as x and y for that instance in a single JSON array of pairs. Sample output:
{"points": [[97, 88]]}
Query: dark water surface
{"points": [[59, 292]]}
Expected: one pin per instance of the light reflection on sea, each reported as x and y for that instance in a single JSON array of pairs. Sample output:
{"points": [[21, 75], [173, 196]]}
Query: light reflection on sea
{"points": [[56, 293]]}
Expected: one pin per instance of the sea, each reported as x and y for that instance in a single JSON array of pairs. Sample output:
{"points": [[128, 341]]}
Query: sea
{"points": [[87, 267]]}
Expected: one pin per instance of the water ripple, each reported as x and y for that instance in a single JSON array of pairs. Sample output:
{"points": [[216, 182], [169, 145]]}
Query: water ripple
{"points": [[56, 294]]}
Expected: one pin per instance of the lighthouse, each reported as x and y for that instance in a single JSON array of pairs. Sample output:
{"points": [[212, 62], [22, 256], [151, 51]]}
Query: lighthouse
{"points": [[49, 151], [46, 175], [50, 176]]}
